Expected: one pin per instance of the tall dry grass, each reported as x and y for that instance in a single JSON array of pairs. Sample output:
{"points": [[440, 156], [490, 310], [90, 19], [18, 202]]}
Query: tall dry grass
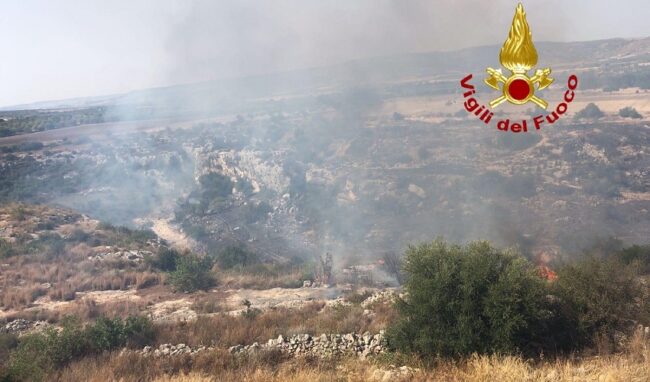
{"points": [[315, 318], [633, 365]]}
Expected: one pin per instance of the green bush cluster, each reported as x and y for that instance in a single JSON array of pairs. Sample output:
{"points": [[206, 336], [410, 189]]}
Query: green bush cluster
{"points": [[215, 185], [235, 257], [591, 111], [192, 273], [39, 353], [629, 112], [166, 259], [28, 121], [475, 298]]}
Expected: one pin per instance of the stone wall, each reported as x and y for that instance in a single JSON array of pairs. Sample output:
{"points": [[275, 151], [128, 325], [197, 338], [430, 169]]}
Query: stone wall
{"points": [[323, 346]]}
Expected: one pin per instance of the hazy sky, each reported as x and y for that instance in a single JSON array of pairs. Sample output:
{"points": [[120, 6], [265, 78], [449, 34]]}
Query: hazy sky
{"points": [[70, 48]]}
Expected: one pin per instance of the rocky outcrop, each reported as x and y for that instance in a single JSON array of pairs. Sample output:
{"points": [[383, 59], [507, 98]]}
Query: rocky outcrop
{"points": [[19, 326], [133, 256]]}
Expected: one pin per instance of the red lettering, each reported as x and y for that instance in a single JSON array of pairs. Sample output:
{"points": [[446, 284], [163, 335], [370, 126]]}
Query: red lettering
{"points": [[551, 118], [573, 82], [464, 82], [566, 96]]}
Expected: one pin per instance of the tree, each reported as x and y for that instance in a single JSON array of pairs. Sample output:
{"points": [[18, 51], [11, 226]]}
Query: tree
{"points": [[465, 299], [192, 273]]}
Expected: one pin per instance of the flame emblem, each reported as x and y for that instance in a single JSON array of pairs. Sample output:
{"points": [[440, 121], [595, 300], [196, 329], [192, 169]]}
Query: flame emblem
{"points": [[519, 55]]}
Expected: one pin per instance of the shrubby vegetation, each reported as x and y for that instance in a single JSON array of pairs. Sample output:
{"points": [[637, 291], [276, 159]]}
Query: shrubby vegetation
{"points": [[475, 298], [192, 273], [591, 111], [29, 121], [629, 112], [235, 257], [38, 354], [469, 299], [166, 259]]}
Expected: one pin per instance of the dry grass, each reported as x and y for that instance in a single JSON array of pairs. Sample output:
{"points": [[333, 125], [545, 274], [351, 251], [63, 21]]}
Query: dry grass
{"points": [[225, 330], [291, 278], [221, 366], [52, 249]]}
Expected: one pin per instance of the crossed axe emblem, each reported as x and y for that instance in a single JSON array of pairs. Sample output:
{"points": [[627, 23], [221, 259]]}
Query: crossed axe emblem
{"points": [[519, 88]]}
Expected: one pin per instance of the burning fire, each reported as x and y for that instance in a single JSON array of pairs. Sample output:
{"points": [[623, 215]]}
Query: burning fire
{"points": [[546, 273]]}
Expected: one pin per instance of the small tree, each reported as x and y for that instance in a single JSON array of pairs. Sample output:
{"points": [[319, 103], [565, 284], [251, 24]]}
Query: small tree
{"points": [[469, 299], [192, 273]]}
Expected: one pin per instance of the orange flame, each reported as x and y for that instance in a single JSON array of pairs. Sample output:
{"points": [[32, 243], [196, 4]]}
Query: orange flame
{"points": [[518, 53]]}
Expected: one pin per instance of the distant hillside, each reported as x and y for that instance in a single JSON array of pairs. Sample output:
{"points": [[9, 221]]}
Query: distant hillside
{"points": [[609, 64]]}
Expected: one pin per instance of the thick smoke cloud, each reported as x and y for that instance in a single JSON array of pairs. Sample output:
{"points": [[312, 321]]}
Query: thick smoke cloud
{"points": [[239, 38]]}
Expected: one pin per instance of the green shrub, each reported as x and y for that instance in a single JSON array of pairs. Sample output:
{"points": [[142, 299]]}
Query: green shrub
{"points": [[629, 112], [192, 273], [106, 334], [139, 331], [591, 111], [466, 299], [39, 354], [236, 257], [30, 361], [166, 259], [602, 295], [8, 342]]}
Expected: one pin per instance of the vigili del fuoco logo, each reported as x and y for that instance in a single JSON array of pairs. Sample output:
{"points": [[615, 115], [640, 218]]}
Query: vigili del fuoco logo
{"points": [[519, 56]]}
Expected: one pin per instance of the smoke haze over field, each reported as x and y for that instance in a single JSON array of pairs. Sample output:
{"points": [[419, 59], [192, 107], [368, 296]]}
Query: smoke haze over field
{"points": [[62, 49]]}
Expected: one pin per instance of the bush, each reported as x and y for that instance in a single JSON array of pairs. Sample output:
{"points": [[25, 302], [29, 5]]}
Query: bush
{"points": [[40, 353], [602, 296], [591, 111], [469, 299], [629, 112], [236, 257], [192, 273], [215, 185], [166, 259], [638, 256]]}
